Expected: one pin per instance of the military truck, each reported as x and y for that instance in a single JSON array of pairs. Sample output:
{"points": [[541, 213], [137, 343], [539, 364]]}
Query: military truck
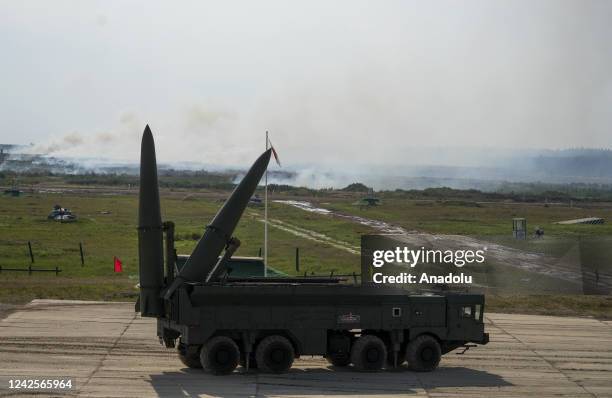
{"points": [[217, 321]]}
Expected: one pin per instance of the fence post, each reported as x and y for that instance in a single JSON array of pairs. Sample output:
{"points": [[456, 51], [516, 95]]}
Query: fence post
{"points": [[81, 250], [31, 253], [297, 259]]}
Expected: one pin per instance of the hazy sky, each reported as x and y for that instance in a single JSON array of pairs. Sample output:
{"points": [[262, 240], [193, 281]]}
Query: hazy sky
{"points": [[334, 81]]}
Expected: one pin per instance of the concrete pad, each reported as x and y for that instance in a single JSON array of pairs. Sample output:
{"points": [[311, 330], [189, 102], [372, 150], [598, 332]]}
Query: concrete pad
{"points": [[111, 352]]}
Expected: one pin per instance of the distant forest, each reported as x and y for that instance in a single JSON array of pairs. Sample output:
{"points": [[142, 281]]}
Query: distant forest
{"points": [[555, 175], [576, 162]]}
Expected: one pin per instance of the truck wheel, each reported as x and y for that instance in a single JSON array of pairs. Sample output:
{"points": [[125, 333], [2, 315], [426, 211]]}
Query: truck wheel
{"points": [[274, 354], [220, 355], [189, 355], [341, 359], [369, 354], [423, 354]]}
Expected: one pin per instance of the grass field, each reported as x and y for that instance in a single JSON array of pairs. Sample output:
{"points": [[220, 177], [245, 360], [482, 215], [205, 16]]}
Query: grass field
{"points": [[107, 228], [492, 222], [480, 218]]}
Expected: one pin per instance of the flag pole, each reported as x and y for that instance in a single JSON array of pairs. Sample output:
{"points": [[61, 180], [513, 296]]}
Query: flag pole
{"points": [[266, 217]]}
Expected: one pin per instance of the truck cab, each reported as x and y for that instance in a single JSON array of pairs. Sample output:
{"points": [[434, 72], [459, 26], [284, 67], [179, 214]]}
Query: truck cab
{"points": [[465, 318]]}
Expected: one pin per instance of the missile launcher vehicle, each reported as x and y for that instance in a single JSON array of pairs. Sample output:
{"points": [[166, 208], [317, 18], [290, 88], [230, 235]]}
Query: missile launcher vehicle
{"points": [[217, 322]]}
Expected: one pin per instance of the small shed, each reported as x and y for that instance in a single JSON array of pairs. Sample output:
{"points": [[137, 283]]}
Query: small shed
{"points": [[519, 228]]}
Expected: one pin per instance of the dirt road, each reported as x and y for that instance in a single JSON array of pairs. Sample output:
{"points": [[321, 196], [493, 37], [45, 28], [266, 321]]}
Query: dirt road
{"points": [[565, 269]]}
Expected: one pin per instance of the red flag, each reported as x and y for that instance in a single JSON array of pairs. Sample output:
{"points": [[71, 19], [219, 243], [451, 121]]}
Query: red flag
{"points": [[269, 142], [275, 154], [118, 265]]}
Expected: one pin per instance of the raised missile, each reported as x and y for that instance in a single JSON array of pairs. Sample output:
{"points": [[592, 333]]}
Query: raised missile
{"points": [[218, 233], [150, 237]]}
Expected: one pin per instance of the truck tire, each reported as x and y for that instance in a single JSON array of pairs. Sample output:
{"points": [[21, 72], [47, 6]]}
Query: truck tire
{"points": [[343, 359], [423, 354], [369, 354], [189, 355], [274, 354], [220, 355]]}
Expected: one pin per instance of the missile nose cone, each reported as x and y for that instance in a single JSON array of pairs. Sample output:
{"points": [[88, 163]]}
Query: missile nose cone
{"points": [[259, 167], [147, 144], [265, 157], [149, 209], [147, 140]]}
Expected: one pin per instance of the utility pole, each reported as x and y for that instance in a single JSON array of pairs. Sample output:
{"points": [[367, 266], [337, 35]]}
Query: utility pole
{"points": [[266, 217]]}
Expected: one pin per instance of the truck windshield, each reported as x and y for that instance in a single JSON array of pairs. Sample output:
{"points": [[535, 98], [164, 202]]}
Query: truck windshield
{"points": [[478, 312]]}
